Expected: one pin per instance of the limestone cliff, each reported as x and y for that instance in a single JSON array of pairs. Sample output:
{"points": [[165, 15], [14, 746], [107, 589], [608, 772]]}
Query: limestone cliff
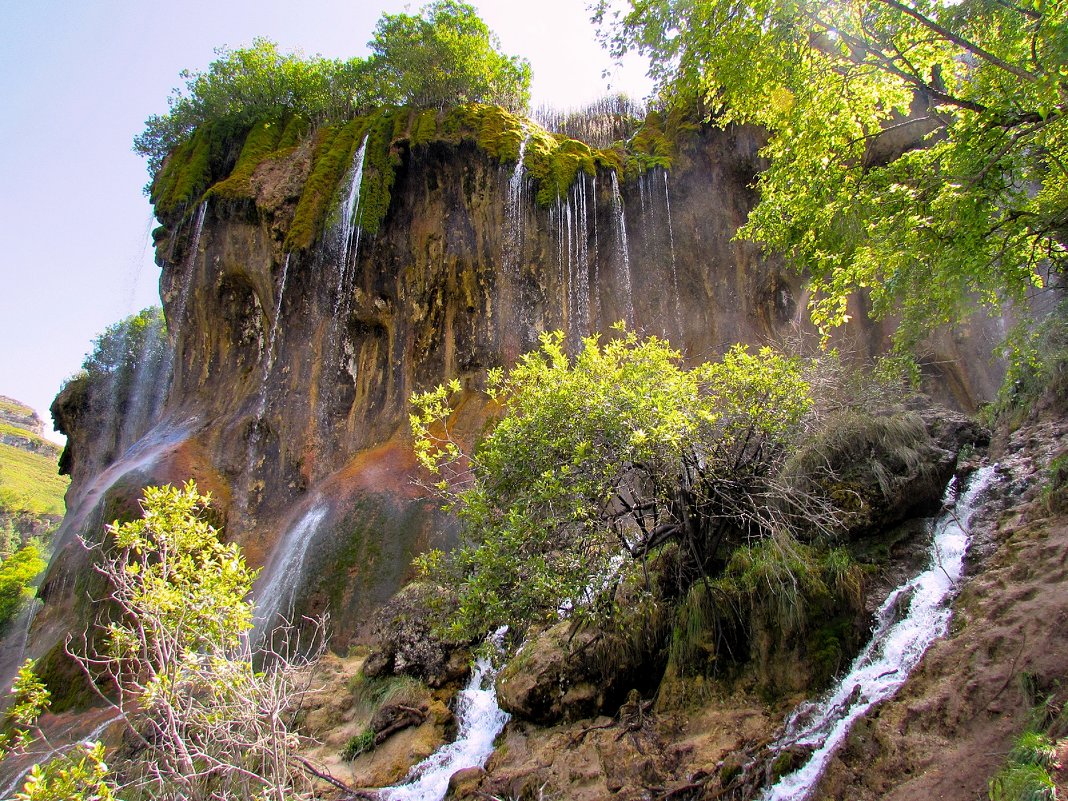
{"points": [[294, 354]]}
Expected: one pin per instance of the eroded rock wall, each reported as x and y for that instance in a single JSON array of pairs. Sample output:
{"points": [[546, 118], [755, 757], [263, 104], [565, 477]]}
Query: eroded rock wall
{"points": [[292, 370]]}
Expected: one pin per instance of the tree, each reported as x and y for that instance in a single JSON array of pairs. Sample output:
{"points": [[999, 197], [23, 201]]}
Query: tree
{"points": [[178, 666], [601, 460], [918, 149], [16, 575], [240, 87], [444, 55]]}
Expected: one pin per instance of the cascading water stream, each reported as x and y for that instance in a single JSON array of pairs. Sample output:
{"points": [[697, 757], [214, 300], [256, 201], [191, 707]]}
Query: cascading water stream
{"points": [[671, 243], [897, 645], [268, 363], [581, 302], [345, 236], [348, 228], [513, 240], [276, 590], [480, 721], [624, 273], [189, 269]]}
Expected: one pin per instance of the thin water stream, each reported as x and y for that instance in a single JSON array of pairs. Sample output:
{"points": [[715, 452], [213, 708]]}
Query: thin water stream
{"points": [[276, 589], [480, 721], [898, 642]]}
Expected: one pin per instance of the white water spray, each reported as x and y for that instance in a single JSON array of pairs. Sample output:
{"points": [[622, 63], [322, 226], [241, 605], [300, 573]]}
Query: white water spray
{"points": [[624, 274], [276, 589], [480, 721], [348, 227], [674, 269], [897, 645]]}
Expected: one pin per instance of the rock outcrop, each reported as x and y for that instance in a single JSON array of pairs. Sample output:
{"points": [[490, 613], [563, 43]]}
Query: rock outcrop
{"points": [[292, 366]]}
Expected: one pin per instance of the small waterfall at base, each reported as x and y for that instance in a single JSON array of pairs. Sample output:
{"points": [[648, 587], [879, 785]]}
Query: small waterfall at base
{"points": [[276, 590], [896, 647], [617, 204], [480, 721]]}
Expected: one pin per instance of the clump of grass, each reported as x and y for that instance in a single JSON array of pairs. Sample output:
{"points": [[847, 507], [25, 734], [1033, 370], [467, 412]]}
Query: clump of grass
{"points": [[370, 695], [1026, 773], [358, 744]]}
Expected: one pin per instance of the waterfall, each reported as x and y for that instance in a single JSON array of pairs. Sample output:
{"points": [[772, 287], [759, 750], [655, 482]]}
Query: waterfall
{"points": [[674, 269], [581, 302], [187, 273], [513, 248], [268, 363], [624, 272], [480, 721], [347, 232], [896, 647], [344, 236], [147, 391], [276, 589]]}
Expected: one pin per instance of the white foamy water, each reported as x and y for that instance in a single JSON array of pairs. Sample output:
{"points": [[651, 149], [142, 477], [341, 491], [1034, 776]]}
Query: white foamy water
{"points": [[277, 587], [897, 645], [480, 721]]}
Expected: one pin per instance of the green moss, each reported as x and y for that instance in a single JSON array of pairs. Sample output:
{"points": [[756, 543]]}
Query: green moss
{"points": [[293, 132], [385, 131], [262, 140], [65, 680], [553, 161], [425, 127], [656, 143], [188, 171], [333, 150]]}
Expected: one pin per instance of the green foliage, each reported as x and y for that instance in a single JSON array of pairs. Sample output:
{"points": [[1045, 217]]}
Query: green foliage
{"points": [[16, 577], [599, 460], [181, 669], [1038, 369], [186, 590], [778, 583], [126, 345], [1025, 776], [443, 55], [964, 201], [77, 775], [358, 744], [80, 775]]}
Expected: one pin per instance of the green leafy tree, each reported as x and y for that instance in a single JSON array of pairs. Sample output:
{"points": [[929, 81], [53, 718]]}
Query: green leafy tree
{"points": [[601, 459], [128, 345], [176, 658], [918, 149], [16, 577], [443, 55], [242, 86]]}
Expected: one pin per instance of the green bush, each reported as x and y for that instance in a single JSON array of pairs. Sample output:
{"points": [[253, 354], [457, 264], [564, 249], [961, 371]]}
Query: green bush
{"points": [[16, 575]]}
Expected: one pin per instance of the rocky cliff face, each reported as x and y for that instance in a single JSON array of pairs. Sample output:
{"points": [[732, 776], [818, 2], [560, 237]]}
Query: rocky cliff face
{"points": [[292, 367]]}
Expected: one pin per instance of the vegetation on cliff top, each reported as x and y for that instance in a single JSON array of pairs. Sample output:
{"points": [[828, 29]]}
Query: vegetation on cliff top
{"points": [[443, 55], [917, 151]]}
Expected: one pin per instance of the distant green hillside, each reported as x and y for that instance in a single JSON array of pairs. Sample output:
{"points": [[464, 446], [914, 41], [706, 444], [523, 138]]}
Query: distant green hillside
{"points": [[29, 464]]}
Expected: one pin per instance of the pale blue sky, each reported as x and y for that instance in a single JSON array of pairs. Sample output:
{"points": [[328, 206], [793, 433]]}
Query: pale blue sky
{"points": [[77, 80]]}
